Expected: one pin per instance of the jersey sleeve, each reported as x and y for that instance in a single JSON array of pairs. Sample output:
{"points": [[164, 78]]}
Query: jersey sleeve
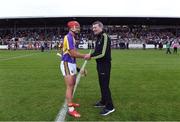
{"points": [[70, 43], [101, 53]]}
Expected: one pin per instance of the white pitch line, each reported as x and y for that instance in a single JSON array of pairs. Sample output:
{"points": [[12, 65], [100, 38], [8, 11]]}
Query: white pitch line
{"points": [[63, 111], [22, 56]]}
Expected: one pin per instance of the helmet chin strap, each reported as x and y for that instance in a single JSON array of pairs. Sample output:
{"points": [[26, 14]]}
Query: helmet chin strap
{"points": [[73, 31]]}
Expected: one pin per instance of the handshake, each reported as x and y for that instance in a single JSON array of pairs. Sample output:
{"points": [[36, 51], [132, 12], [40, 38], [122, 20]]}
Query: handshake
{"points": [[87, 56]]}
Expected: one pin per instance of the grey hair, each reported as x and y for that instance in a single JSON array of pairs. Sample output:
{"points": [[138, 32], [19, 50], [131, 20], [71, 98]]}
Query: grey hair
{"points": [[99, 23]]}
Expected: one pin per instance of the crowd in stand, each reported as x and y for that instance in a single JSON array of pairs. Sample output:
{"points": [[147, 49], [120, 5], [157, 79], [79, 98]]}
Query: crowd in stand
{"points": [[34, 38]]}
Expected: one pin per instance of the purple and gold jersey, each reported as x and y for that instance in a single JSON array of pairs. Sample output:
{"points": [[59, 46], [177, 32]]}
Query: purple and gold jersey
{"points": [[68, 44]]}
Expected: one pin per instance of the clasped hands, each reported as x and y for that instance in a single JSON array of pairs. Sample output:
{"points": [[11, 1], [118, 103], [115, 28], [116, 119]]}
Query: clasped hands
{"points": [[87, 57]]}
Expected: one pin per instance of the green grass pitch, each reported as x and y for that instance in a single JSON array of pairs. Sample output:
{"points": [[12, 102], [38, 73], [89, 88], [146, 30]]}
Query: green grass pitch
{"points": [[145, 85]]}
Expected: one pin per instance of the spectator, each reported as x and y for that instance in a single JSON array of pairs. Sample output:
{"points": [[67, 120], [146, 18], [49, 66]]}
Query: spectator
{"points": [[175, 46], [168, 45]]}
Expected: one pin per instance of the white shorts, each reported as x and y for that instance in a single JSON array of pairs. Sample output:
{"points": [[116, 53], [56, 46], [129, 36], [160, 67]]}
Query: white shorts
{"points": [[68, 68]]}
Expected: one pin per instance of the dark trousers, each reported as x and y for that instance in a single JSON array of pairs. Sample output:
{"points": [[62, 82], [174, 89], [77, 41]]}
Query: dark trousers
{"points": [[168, 51], [104, 70], [175, 50]]}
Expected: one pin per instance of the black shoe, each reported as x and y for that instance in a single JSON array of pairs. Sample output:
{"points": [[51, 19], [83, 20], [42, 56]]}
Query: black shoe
{"points": [[99, 105], [105, 111]]}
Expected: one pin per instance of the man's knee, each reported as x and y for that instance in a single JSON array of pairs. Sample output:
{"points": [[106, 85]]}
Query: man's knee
{"points": [[70, 80]]}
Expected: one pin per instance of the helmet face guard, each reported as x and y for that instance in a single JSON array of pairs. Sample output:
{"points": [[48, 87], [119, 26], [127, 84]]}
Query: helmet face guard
{"points": [[74, 26]]}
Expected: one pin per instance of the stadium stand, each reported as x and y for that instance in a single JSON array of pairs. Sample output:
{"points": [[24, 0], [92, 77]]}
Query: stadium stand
{"points": [[33, 33]]}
